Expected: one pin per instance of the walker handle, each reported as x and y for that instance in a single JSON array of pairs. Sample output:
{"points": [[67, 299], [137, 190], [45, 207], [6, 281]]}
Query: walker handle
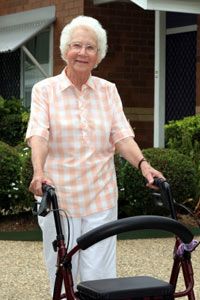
{"points": [[166, 195], [45, 204]]}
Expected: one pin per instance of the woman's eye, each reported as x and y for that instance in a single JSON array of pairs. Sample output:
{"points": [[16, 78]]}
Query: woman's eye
{"points": [[77, 46], [90, 48]]}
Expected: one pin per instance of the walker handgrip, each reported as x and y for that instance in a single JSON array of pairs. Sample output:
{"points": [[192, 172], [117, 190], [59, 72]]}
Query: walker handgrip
{"points": [[46, 188], [135, 223], [158, 182], [166, 195], [44, 207]]}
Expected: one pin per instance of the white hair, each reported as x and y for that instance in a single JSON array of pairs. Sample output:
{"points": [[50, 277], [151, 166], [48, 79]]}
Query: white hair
{"points": [[90, 23]]}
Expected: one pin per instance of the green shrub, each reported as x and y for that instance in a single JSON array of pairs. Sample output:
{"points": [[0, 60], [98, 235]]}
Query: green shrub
{"points": [[179, 171], [13, 116], [119, 168], [16, 174], [26, 174], [184, 136], [9, 176]]}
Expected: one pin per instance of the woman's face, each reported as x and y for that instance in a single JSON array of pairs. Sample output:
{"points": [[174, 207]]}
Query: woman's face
{"points": [[82, 54]]}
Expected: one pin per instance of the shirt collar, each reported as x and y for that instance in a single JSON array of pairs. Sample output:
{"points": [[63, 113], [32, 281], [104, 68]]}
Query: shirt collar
{"points": [[65, 82], [90, 82]]}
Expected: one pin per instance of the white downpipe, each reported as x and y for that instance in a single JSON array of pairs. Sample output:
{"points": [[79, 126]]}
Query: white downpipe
{"points": [[159, 80]]}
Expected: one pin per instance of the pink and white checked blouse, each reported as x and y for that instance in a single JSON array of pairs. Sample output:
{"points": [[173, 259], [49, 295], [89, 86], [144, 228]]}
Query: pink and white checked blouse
{"points": [[82, 128]]}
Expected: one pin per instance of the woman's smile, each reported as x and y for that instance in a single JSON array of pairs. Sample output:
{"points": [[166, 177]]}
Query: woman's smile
{"points": [[82, 55]]}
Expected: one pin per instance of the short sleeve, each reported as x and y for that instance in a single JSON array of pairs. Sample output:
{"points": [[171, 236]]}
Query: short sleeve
{"points": [[39, 117], [120, 126]]}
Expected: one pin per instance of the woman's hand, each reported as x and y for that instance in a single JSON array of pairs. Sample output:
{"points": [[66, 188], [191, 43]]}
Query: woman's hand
{"points": [[150, 173], [36, 183]]}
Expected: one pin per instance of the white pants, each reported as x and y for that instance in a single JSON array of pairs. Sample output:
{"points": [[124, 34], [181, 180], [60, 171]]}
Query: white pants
{"points": [[96, 262]]}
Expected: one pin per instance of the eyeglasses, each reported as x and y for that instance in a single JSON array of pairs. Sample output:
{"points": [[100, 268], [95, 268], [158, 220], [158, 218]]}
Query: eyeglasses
{"points": [[89, 49]]}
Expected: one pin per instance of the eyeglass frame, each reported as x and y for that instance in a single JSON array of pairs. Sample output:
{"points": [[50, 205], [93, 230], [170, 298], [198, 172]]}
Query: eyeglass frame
{"points": [[94, 49]]}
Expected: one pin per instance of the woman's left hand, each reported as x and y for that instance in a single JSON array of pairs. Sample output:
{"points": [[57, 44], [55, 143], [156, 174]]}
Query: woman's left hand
{"points": [[150, 173]]}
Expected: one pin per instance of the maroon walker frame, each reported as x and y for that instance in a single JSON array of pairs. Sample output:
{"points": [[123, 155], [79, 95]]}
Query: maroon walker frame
{"points": [[64, 258]]}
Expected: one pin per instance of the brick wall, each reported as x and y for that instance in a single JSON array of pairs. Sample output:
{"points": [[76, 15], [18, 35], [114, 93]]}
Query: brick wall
{"points": [[130, 60], [65, 12]]}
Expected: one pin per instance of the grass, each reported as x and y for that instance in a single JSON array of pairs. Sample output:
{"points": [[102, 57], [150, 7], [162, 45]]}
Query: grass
{"points": [[36, 235]]}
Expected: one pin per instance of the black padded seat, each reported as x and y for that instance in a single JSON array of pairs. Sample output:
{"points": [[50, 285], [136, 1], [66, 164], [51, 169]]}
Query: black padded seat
{"points": [[127, 288]]}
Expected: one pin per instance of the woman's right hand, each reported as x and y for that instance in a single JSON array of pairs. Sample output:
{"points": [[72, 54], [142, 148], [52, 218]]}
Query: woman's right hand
{"points": [[35, 186]]}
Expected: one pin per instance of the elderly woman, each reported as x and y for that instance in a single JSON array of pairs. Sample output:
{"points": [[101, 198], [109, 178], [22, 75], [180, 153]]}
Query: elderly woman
{"points": [[76, 125]]}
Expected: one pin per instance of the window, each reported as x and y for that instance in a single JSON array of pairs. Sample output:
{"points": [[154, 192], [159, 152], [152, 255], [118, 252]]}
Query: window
{"points": [[40, 47]]}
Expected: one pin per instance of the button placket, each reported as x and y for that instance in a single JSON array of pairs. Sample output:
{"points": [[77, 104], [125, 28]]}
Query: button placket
{"points": [[83, 119]]}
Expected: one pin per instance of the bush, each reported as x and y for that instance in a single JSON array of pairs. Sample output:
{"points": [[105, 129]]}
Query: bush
{"points": [[9, 176], [184, 136], [16, 174], [26, 174], [12, 115], [136, 199]]}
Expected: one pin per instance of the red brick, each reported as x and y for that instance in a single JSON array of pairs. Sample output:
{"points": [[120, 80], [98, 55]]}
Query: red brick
{"points": [[130, 59]]}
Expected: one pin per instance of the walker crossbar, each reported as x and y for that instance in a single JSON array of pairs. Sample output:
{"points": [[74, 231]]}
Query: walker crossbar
{"points": [[135, 223]]}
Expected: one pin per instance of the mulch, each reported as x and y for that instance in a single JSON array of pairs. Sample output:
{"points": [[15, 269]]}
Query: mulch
{"points": [[18, 223], [28, 222]]}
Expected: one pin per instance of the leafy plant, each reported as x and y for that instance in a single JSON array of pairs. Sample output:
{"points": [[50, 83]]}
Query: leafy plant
{"points": [[9, 176], [13, 121], [137, 199], [184, 136], [26, 173]]}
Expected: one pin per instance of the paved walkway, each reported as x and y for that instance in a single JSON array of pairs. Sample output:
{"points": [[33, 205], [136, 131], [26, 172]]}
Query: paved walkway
{"points": [[23, 275]]}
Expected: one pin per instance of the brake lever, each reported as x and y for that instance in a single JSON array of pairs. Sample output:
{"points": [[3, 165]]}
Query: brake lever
{"points": [[158, 199], [34, 208]]}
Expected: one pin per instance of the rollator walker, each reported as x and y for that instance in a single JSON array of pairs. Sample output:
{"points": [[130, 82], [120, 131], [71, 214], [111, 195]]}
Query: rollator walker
{"points": [[126, 288]]}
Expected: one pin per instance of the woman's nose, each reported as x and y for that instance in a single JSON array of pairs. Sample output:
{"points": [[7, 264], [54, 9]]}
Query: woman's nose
{"points": [[83, 50]]}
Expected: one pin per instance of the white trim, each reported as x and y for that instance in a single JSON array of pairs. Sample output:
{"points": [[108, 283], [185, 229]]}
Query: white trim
{"points": [[159, 81], [21, 74], [51, 45], [182, 29], [185, 6]]}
